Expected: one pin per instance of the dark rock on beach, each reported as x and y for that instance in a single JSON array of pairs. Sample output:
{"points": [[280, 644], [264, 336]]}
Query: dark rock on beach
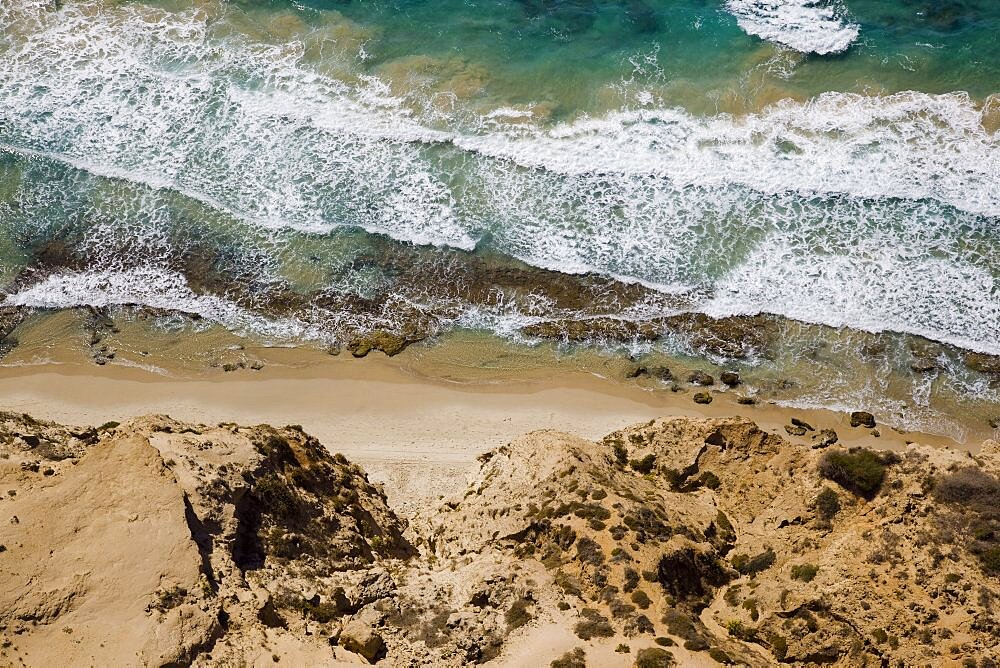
{"points": [[730, 378], [862, 419], [389, 343], [702, 398]]}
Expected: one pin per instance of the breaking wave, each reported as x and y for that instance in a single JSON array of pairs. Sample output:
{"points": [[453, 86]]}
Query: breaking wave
{"points": [[876, 212], [808, 26]]}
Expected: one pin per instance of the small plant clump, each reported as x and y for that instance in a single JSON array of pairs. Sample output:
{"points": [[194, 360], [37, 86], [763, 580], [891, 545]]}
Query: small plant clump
{"points": [[827, 504], [747, 565], [654, 657], [857, 470], [593, 625], [805, 572], [575, 658], [644, 465], [518, 614], [779, 646]]}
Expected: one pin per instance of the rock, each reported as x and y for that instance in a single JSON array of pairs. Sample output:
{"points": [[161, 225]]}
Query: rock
{"points": [[801, 423], [702, 398], [636, 371], [746, 401], [268, 615], [699, 377], [989, 364], [730, 378], [611, 329], [824, 438], [795, 431], [995, 422], [661, 373], [923, 365], [862, 419], [388, 343], [360, 638]]}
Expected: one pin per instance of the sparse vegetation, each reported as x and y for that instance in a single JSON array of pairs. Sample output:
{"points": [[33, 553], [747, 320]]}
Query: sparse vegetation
{"points": [[575, 658], [593, 625], [779, 646], [976, 495], [644, 465], [654, 657], [748, 565], [167, 599], [518, 614], [804, 572]]}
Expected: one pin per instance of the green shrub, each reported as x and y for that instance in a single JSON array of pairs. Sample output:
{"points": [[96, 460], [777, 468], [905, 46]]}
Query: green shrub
{"points": [[805, 572], [779, 646], [880, 636], [827, 504], [748, 565], [518, 615], [654, 657], [572, 659], [710, 480], [720, 656], [990, 559], [640, 598], [593, 625], [621, 453], [857, 470]]}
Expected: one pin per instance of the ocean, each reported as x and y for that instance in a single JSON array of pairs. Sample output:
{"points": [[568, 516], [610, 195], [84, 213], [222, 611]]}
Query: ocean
{"points": [[822, 176]]}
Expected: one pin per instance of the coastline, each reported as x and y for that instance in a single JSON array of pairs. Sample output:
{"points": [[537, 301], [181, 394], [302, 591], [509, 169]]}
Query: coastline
{"points": [[418, 421]]}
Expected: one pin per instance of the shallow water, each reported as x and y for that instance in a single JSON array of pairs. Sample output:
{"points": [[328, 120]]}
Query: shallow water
{"points": [[305, 171]]}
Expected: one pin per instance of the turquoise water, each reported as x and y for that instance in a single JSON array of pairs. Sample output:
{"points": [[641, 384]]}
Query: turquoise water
{"points": [[304, 171]]}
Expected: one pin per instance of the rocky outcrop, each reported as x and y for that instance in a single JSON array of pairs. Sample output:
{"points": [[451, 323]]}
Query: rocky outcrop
{"points": [[678, 541]]}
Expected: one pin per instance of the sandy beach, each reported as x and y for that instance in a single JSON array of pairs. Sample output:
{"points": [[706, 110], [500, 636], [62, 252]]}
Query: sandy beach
{"points": [[416, 422]]}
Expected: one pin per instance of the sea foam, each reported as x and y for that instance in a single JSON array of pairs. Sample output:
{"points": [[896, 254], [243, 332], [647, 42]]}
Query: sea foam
{"points": [[808, 26], [877, 212]]}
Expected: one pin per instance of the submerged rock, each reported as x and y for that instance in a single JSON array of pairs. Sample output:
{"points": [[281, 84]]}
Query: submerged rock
{"points": [[699, 377], [602, 328], [983, 363], [730, 378]]}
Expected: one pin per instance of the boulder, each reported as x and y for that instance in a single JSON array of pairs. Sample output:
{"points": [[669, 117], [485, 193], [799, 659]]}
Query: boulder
{"points": [[359, 637], [862, 419]]}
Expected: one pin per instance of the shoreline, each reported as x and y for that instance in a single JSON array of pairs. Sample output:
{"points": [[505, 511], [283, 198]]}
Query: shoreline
{"points": [[416, 422]]}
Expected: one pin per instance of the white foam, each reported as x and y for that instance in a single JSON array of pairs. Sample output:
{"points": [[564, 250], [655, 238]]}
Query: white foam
{"points": [[883, 195], [809, 26], [154, 288]]}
